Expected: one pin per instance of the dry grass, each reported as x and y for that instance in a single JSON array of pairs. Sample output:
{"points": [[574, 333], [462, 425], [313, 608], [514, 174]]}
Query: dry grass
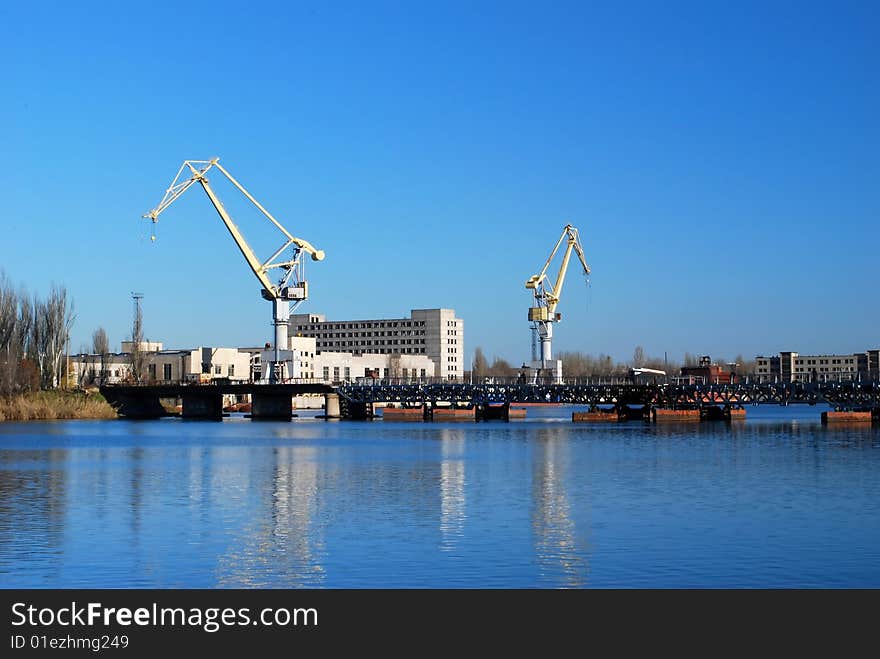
{"points": [[45, 405]]}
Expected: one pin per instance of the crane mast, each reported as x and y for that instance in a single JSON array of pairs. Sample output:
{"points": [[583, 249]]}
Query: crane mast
{"points": [[291, 287], [543, 313]]}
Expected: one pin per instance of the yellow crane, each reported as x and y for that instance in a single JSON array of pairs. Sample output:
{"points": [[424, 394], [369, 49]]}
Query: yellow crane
{"points": [[291, 286], [543, 313]]}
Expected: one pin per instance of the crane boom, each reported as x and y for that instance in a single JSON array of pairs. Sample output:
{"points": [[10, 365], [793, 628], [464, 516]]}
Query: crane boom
{"points": [[280, 293], [546, 299], [197, 173]]}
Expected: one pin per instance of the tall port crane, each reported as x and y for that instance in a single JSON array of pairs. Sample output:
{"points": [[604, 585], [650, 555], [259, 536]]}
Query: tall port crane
{"points": [[291, 287], [543, 313]]}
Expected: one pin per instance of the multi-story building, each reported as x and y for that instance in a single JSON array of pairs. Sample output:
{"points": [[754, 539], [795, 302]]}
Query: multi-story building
{"points": [[435, 333], [793, 367]]}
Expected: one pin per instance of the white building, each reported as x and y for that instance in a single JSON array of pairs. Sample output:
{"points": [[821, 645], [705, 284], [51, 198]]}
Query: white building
{"points": [[434, 333], [203, 364], [790, 366], [334, 367]]}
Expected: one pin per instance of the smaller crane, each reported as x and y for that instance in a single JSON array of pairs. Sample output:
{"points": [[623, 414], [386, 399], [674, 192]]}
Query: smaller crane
{"points": [[291, 286], [543, 314]]}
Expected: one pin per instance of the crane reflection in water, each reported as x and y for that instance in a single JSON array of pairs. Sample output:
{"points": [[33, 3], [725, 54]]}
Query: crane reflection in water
{"points": [[283, 547], [560, 551], [452, 487]]}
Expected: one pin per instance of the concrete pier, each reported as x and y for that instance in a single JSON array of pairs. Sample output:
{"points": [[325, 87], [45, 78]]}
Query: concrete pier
{"points": [[331, 406], [139, 407], [271, 406], [202, 404]]}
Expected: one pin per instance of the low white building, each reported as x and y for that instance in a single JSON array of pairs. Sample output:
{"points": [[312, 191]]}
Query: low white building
{"points": [[203, 364], [335, 367], [306, 363]]}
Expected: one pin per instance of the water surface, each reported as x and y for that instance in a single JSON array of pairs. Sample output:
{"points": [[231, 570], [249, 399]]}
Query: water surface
{"points": [[776, 501]]}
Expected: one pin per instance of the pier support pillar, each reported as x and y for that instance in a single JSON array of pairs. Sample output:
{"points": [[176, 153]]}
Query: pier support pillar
{"points": [[331, 406], [492, 412], [271, 406], [202, 405], [137, 406]]}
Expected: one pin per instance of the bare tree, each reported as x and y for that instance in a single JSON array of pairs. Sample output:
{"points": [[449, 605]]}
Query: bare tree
{"points": [[501, 368], [59, 309], [480, 366], [101, 346], [639, 357], [100, 342], [137, 356], [33, 335]]}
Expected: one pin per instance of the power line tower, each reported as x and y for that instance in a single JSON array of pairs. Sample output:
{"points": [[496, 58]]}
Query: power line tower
{"points": [[137, 327]]}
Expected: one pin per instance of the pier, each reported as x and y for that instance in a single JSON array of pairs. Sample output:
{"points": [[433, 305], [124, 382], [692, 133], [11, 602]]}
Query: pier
{"points": [[850, 401]]}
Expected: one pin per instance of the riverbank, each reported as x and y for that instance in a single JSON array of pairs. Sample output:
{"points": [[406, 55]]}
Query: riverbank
{"points": [[49, 405]]}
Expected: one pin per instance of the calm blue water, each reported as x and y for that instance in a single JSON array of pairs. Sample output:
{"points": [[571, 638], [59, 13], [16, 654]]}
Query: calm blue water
{"points": [[776, 501]]}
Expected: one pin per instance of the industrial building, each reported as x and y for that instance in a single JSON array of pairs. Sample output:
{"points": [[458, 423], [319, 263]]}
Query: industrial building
{"points": [[790, 366], [706, 372], [436, 334], [202, 364]]}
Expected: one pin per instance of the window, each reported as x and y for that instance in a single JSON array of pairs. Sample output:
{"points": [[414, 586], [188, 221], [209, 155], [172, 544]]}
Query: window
{"points": [[152, 370], [218, 369], [347, 373], [405, 372], [335, 373], [231, 370], [423, 373], [166, 371], [326, 373]]}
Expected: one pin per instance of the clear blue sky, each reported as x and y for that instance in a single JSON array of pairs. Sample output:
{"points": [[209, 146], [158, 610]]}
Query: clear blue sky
{"points": [[720, 159]]}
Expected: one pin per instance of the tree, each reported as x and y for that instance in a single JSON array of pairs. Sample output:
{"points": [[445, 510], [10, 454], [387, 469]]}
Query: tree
{"points": [[138, 357], [639, 357], [33, 336], [480, 365], [100, 342], [501, 368], [101, 346]]}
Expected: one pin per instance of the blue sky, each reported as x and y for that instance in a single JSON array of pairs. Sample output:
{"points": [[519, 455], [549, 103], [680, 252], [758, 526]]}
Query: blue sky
{"points": [[719, 159]]}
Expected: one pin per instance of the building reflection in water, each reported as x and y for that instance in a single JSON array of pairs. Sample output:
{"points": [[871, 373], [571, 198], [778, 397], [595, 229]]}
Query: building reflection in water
{"points": [[452, 487], [280, 546], [561, 553]]}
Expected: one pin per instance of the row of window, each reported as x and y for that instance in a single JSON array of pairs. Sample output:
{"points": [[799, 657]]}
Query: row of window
{"points": [[825, 361], [346, 373], [370, 342], [829, 369], [378, 325], [342, 335], [380, 351]]}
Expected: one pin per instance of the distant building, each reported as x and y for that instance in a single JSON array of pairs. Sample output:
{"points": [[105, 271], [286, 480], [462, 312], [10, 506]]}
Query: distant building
{"points": [[203, 364], [336, 367], [706, 373], [790, 366], [436, 334], [146, 346]]}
